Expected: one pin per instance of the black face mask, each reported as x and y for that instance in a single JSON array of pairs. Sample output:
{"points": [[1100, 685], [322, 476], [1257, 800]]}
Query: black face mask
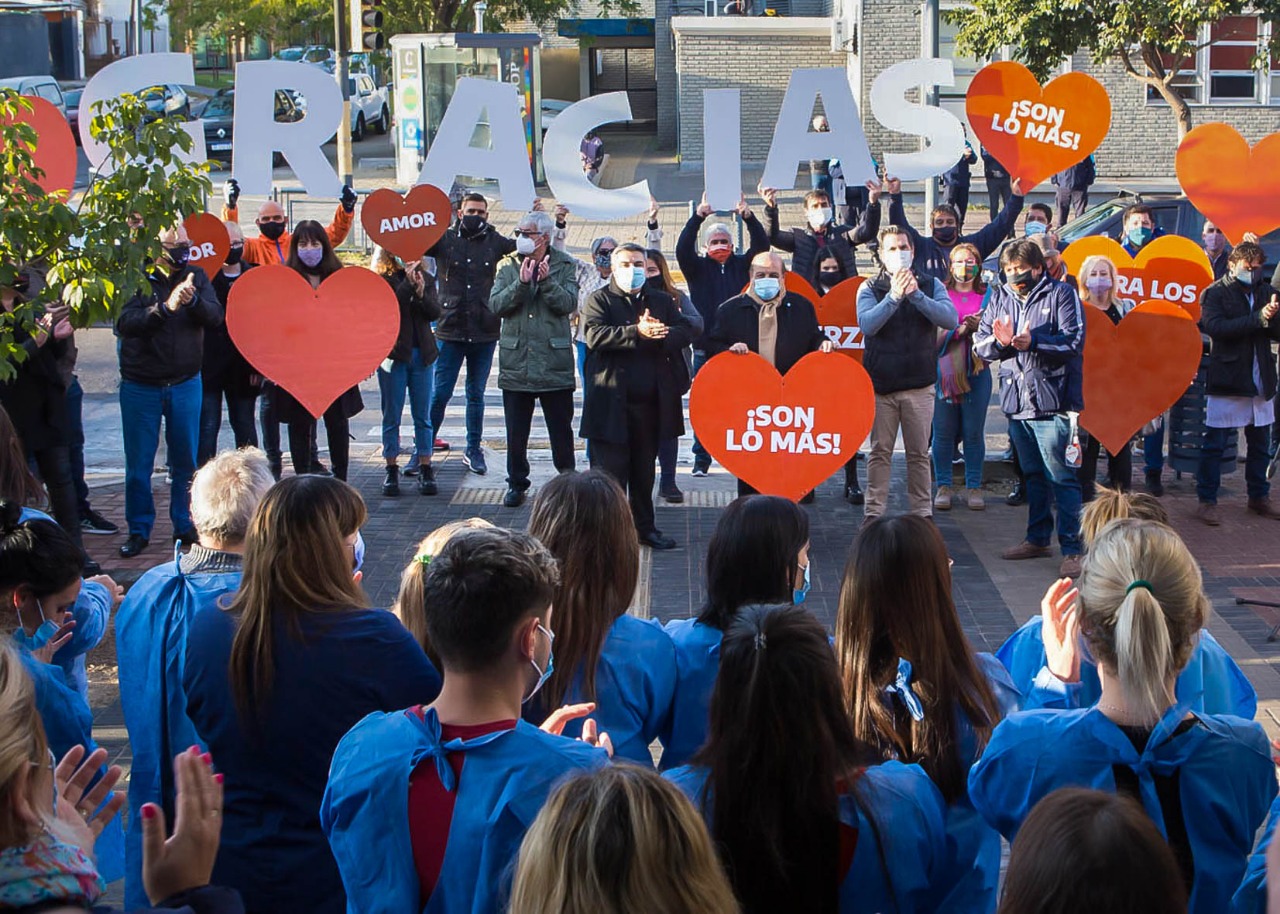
{"points": [[1021, 281], [234, 253], [944, 234], [179, 254], [829, 278], [656, 283], [272, 231], [472, 224]]}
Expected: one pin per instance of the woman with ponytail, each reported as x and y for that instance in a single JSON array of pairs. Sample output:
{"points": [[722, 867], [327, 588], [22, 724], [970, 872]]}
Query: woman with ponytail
{"points": [[1205, 780]]}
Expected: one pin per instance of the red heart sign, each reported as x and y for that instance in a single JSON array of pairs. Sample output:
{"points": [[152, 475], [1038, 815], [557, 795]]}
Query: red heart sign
{"points": [[406, 226], [1237, 188], [1170, 268], [55, 149], [1036, 133], [782, 435], [315, 343], [209, 242], [1136, 369], [838, 317]]}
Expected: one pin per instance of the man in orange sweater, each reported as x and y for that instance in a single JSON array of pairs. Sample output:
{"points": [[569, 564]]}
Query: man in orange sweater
{"points": [[272, 244]]}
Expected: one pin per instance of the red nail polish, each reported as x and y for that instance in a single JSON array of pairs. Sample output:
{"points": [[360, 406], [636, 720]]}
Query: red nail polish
{"points": [[148, 811], [194, 750], [218, 777], [208, 759]]}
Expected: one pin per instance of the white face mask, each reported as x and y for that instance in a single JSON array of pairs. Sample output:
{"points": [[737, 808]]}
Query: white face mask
{"points": [[896, 261], [818, 217], [525, 245]]}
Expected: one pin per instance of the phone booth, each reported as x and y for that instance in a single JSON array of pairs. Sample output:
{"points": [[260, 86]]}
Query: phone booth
{"points": [[427, 67]]}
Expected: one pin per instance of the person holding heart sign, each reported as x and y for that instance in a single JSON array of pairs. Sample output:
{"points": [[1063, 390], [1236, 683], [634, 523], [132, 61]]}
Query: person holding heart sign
{"points": [[273, 241]]}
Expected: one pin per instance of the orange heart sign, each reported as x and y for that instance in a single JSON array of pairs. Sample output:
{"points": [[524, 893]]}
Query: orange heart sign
{"points": [[315, 343], [838, 317], [782, 435], [1170, 268], [407, 226], [55, 149], [1234, 186], [209, 242], [1036, 133], [1136, 369]]}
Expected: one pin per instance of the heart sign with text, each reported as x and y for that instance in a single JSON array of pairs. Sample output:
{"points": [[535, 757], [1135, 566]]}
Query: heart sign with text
{"points": [[782, 435], [1170, 268], [1236, 187], [1136, 369], [407, 226], [209, 242], [55, 148], [1033, 132], [315, 343], [838, 317]]}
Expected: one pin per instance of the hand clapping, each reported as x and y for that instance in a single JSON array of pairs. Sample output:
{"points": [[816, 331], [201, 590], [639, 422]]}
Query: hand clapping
{"points": [[650, 327]]}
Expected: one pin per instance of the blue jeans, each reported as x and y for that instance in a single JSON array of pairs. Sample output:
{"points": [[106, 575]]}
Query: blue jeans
{"points": [[75, 437], [1209, 473], [142, 406], [700, 454], [417, 379], [582, 361], [1153, 450], [1041, 444], [479, 359], [969, 416]]}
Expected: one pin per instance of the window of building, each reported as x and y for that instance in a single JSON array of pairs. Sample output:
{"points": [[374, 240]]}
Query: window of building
{"points": [[1223, 72]]}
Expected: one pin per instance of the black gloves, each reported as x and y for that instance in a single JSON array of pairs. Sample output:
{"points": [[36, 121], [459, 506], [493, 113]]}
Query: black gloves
{"points": [[348, 198], [231, 192]]}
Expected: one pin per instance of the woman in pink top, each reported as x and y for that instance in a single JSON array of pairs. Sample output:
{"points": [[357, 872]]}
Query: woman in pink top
{"points": [[964, 384]]}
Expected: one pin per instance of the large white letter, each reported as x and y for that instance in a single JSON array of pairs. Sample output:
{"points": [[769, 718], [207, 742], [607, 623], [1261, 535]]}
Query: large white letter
{"points": [[133, 74], [256, 134], [793, 142], [506, 159], [722, 147], [942, 130], [562, 160]]}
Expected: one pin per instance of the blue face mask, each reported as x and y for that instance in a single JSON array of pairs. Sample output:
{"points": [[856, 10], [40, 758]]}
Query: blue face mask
{"points": [[629, 279], [798, 596], [357, 548], [1036, 228], [48, 628], [1139, 235], [766, 287], [544, 675]]}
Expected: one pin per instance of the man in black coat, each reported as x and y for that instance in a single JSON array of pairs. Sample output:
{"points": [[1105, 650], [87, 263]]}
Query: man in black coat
{"points": [[821, 233], [767, 319], [1238, 313], [161, 351], [635, 337]]}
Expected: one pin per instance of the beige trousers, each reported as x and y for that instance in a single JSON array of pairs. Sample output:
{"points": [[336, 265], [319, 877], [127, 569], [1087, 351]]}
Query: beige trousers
{"points": [[912, 412]]}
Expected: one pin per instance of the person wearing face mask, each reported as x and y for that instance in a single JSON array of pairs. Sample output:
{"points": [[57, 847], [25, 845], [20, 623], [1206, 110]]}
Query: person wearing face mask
{"points": [[1217, 249], [534, 293], [933, 252], [467, 258], [1239, 314], [1054, 265], [957, 179], [1073, 185], [1100, 288], [462, 772], [1039, 220], [225, 373], [778, 325], [658, 276], [161, 351], [274, 239], [632, 398], [900, 311], [821, 233], [1034, 326]]}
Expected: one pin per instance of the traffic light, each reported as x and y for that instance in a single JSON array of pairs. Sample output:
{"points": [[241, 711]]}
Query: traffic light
{"points": [[368, 26]]}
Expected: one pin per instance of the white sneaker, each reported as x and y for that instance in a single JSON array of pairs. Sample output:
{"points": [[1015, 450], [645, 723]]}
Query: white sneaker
{"points": [[975, 500], [942, 501]]}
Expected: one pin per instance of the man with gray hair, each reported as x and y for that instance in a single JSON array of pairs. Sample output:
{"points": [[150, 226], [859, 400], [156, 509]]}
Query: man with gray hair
{"points": [[534, 293], [151, 634]]}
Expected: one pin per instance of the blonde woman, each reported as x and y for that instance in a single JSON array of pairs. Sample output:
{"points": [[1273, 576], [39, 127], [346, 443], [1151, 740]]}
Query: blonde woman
{"points": [[616, 841], [1100, 288], [1205, 780], [408, 607]]}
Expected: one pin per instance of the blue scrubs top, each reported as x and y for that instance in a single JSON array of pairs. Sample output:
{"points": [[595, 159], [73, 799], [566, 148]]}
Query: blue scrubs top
{"points": [[697, 663]]}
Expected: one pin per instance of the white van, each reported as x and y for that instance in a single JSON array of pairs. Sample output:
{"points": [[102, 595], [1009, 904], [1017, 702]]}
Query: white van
{"points": [[44, 86]]}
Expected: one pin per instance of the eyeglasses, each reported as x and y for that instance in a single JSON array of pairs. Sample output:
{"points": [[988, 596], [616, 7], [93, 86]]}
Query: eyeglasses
{"points": [[527, 233], [53, 779], [604, 252]]}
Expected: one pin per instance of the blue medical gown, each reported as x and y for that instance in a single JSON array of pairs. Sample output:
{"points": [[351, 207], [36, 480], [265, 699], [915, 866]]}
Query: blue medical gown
{"points": [[901, 862], [635, 684], [1251, 897], [1225, 774], [697, 664], [505, 781]]}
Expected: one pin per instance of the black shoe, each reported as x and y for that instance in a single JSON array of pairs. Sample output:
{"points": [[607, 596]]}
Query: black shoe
{"points": [[90, 568], [277, 469], [1154, 485], [701, 467], [391, 482], [427, 480], [188, 537], [319, 469], [410, 471], [133, 545], [853, 495], [93, 522], [474, 461], [808, 499], [514, 498], [1018, 496], [670, 492], [656, 540]]}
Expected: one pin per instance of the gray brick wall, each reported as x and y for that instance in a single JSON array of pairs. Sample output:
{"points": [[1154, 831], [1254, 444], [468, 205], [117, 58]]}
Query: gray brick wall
{"points": [[889, 34]]}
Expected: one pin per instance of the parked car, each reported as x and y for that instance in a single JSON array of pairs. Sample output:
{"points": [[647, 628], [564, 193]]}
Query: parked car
{"points": [[550, 108], [289, 54], [317, 54], [45, 87], [71, 92], [369, 106], [219, 117], [167, 100]]}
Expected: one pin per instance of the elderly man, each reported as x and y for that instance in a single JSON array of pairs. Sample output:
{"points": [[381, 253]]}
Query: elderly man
{"points": [[900, 311], [534, 293], [767, 319], [151, 634], [635, 335], [161, 350], [272, 243]]}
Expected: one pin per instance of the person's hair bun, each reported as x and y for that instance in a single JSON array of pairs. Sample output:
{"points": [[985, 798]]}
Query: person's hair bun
{"points": [[10, 516]]}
